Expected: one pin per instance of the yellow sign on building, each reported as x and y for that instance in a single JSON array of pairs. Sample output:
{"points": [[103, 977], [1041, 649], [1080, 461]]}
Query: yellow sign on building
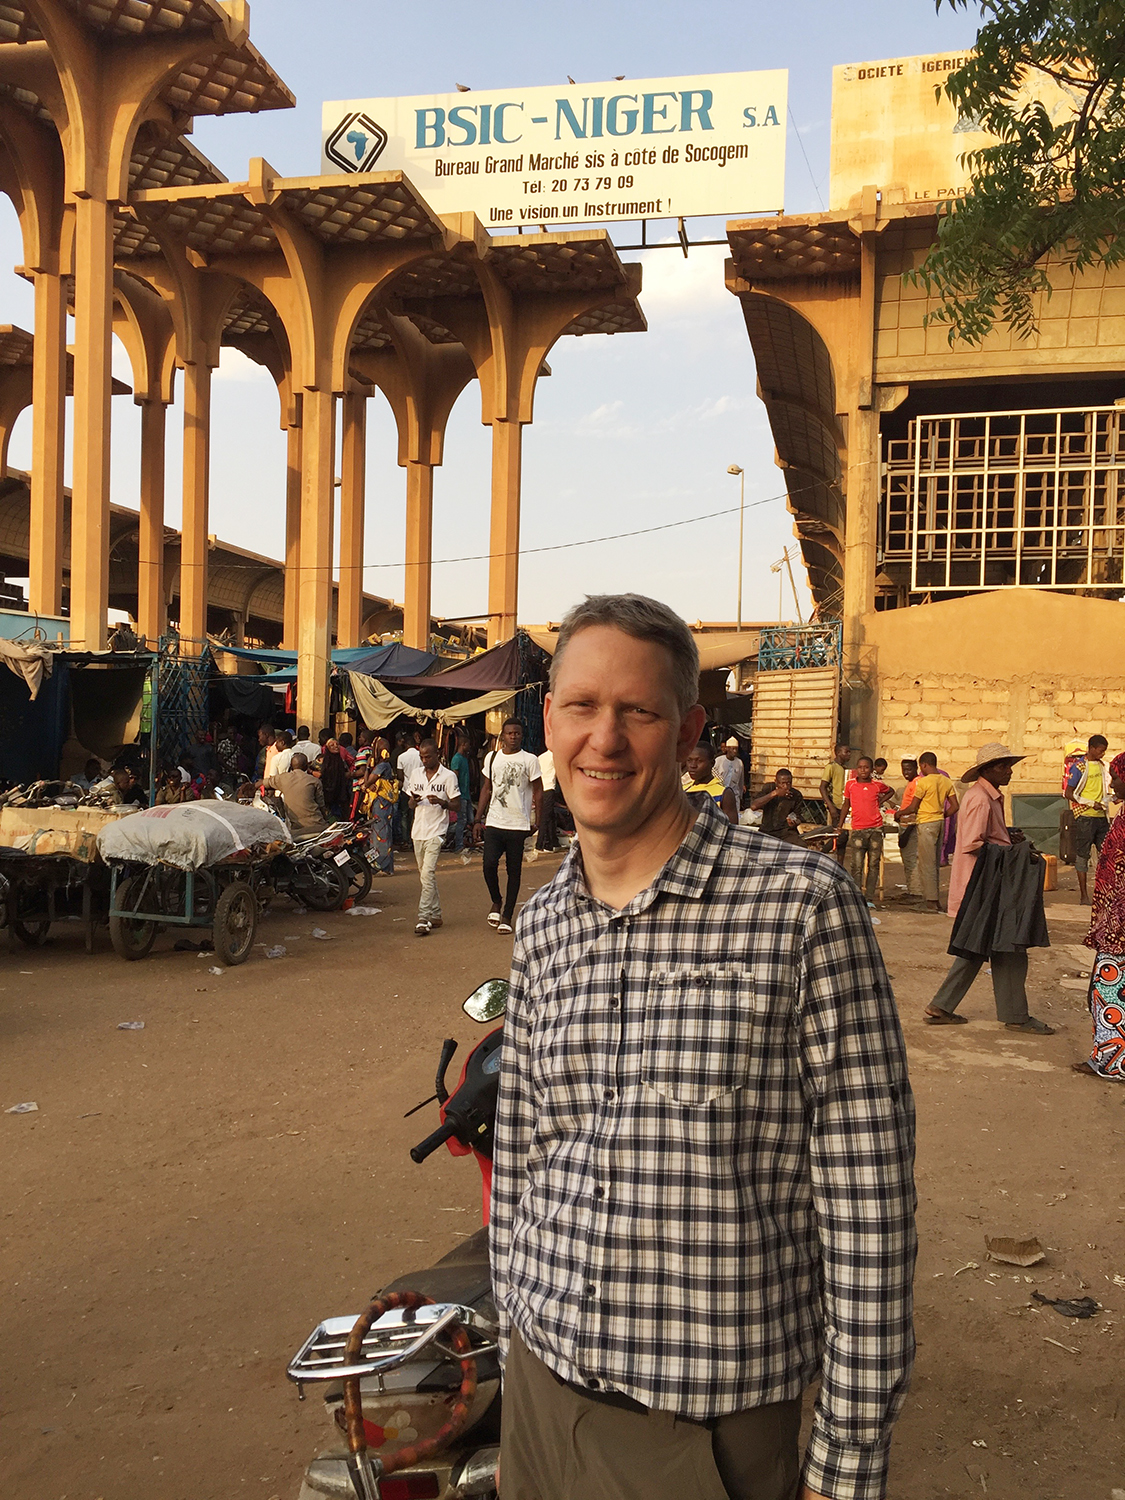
{"points": [[894, 127]]}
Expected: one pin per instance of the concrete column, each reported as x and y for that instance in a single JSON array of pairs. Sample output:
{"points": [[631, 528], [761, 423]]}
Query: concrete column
{"points": [[89, 524], [48, 443], [504, 531], [353, 464], [197, 462], [292, 538], [314, 626], [862, 515], [417, 609], [151, 613]]}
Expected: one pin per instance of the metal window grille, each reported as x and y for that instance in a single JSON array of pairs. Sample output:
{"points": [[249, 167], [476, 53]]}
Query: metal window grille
{"points": [[179, 702], [782, 648], [1025, 499]]}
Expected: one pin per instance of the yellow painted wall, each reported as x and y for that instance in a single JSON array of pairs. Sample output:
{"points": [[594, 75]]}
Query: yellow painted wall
{"points": [[1030, 669], [1081, 325]]}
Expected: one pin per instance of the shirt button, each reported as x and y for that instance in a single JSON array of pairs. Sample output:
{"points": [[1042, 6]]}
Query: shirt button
{"points": [[590, 1290], [607, 1094], [599, 1192], [613, 1002], [594, 1383]]}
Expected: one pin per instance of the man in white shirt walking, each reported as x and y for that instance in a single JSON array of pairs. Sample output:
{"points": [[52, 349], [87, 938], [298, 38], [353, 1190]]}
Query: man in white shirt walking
{"points": [[433, 793], [510, 794]]}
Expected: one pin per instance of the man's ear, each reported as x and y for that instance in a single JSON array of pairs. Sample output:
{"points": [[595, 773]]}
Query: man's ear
{"points": [[547, 721], [691, 729]]}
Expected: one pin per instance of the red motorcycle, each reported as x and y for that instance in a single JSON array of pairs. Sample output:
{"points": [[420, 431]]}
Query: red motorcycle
{"points": [[411, 1386]]}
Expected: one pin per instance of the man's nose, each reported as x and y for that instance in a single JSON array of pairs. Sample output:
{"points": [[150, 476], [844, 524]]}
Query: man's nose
{"points": [[607, 735]]}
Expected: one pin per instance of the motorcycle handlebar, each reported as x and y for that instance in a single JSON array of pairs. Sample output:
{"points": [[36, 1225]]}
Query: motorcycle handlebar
{"points": [[427, 1147]]}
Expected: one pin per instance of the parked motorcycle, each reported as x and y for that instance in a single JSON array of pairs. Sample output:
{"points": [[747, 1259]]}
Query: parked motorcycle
{"points": [[411, 1386]]}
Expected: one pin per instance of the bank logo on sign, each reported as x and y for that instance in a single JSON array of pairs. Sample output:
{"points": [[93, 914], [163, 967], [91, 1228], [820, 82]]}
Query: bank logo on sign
{"points": [[356, 144]]}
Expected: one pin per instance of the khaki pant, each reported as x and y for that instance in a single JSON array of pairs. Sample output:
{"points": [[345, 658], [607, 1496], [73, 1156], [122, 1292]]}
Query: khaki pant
{"points": [[1009, 985], [558, 1444], [929, 846]]}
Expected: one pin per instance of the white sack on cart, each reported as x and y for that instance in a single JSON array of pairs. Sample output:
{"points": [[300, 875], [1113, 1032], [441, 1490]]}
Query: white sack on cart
{"points": [[190, 835]]}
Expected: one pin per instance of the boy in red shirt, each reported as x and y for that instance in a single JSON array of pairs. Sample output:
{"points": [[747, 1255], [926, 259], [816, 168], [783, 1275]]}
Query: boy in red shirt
{"points": [[864, 800]]}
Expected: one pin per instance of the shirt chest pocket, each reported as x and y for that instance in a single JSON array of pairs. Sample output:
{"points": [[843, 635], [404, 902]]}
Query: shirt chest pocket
{"points": [[703, 1032]]}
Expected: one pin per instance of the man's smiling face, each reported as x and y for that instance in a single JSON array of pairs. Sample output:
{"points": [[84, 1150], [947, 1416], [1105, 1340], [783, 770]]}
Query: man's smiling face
{"points": [[617, 733]]}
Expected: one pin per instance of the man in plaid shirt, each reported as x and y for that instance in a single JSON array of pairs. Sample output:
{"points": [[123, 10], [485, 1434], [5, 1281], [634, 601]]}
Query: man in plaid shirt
{"points": [[702, 1198]]}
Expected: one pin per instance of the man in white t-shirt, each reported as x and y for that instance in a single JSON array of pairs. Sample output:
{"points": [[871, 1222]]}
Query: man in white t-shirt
{"points": [[434, 793], [510, 793], [408, 760]]}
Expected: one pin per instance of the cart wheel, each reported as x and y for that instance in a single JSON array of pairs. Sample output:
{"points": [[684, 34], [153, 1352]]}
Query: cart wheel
{"points": [[130, 938], [360, 883], [326, 886], [31, 934], [236, 917]]}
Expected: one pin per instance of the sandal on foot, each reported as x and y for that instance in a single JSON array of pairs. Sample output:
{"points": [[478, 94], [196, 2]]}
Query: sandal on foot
{"points": [[505, 927], [1032, 1024], [944, 1018], [493, 919]]}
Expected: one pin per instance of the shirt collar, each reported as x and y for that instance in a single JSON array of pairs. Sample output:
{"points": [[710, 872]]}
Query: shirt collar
{"points": [[990, 790], [685, 873]]}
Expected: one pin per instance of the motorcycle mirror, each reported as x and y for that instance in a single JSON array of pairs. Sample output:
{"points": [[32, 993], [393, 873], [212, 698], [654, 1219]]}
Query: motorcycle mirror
{"points": [[488, 1002]]}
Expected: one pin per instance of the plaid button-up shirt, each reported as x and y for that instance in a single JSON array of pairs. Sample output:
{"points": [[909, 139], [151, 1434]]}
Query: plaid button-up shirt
{"points": [[702, 1192]]}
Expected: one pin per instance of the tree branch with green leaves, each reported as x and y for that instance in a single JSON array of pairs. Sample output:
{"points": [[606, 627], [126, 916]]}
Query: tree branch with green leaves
{"points": [[1052, 186]]}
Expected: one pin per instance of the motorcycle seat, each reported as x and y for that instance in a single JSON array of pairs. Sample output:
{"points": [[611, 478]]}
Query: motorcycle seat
{"points": [[463, 1276]]}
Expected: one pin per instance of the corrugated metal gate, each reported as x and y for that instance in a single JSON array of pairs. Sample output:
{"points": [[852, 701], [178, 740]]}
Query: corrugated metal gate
{"points": [[796, 702], [794, 724]]}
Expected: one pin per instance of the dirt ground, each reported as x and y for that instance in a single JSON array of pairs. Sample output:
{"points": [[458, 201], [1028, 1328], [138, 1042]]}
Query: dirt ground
{"points": [[190, 1199]]}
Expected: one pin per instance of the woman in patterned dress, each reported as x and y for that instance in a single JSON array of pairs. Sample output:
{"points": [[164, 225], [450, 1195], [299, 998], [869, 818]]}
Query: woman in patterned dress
{"points": [[380, 800], [1107, 938]]}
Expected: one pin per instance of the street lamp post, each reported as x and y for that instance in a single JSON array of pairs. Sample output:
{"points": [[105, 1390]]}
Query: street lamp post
{"points": [[734, 469]]}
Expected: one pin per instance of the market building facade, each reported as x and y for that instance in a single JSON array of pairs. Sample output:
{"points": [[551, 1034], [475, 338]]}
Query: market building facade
{"points": [[961, 510]]}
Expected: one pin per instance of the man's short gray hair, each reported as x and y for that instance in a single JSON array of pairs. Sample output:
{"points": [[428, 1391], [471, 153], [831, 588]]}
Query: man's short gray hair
{"points": [[646, 620]]}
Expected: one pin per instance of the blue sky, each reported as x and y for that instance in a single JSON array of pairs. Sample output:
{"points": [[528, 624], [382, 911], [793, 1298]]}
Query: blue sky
{"points": [[629, 432]]}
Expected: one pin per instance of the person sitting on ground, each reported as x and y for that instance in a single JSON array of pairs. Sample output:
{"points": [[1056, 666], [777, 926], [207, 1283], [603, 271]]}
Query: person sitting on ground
{"points": [[780, 803], [700, 768], [302, 794], [729, 769], [90, 776], [126, 787], [1087, 791], [933, 796], [1107, 938]]}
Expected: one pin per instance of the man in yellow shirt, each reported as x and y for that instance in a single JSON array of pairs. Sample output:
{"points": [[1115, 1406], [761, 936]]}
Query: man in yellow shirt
{"points": [[832, 791], [932, 794], [1087, 791]]}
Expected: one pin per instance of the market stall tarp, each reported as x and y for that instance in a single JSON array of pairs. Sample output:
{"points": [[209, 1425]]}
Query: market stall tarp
{"points": [[379, 706], [486, 673], [31, 660], [722, 649], [251, 696], [368, 659]]}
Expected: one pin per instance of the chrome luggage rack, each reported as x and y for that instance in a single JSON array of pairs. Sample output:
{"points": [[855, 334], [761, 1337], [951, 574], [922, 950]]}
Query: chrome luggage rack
{"points": [[399, 1336]]}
